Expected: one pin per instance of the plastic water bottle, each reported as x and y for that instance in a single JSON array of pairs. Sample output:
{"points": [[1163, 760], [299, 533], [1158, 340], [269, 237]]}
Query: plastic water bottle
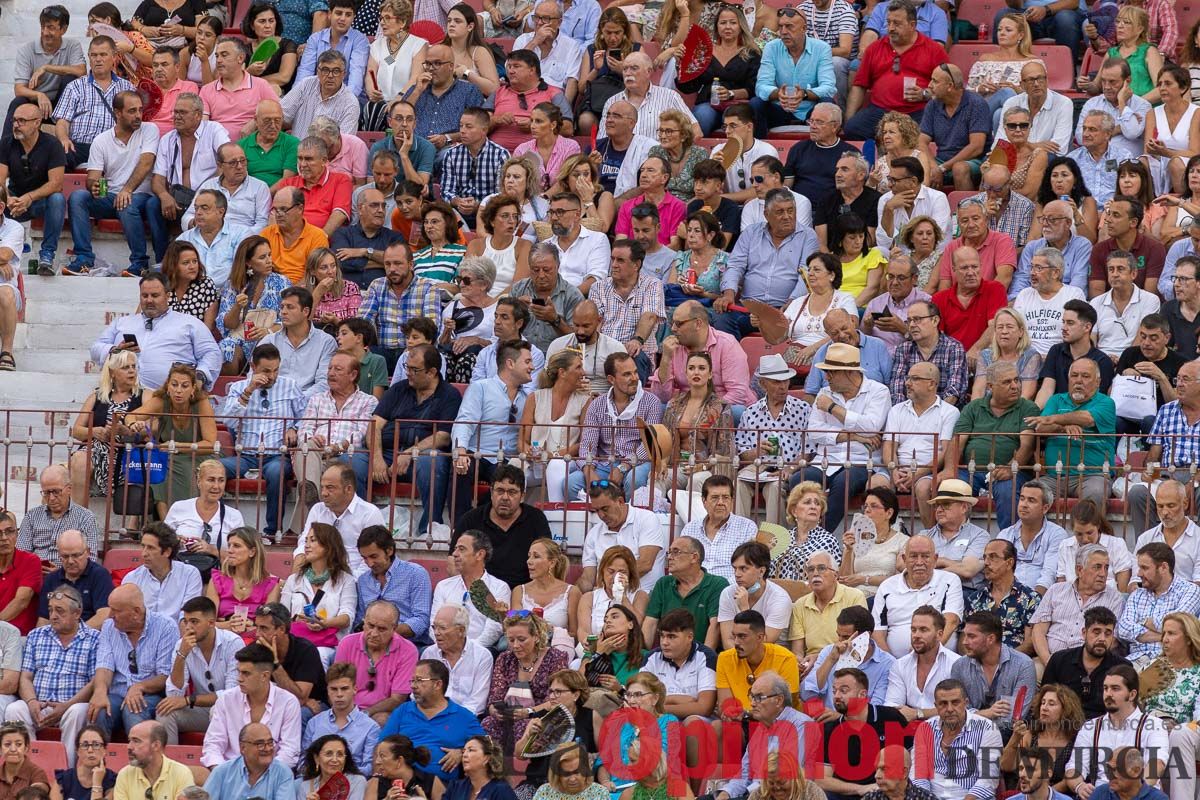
{"points": [[715, 97]]}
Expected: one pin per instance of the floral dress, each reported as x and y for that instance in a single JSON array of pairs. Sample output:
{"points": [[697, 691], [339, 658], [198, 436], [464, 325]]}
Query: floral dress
{"points": [[709, 280], [196, 300], [343, 307], [709, 436], [791, 562], [504, 675], [683, 184], [1181, 700], [103, 415], [272, 288]]}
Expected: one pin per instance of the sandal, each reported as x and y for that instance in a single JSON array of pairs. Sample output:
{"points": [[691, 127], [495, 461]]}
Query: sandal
{"points": [[73, 270], [7, 363]]}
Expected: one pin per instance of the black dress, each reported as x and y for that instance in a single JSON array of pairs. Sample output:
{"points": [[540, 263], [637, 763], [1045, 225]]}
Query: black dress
{"points": [[538, 769], [420, 780], [276, 61], [152, 14], [740, 73]]}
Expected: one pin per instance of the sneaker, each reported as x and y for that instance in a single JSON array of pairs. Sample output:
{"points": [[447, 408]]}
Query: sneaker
{"points": [[46, 268]]}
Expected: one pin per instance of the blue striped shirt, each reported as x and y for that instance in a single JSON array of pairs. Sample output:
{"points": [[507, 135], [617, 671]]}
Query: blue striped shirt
{"points": [[407, 586], [977, 743], [1180, 441], [264, 423], [155, 652], [1142, 604], [60, 672]]}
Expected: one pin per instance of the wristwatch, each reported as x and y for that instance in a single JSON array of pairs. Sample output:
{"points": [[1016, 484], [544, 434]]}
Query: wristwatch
{"points": [[370, 252]]}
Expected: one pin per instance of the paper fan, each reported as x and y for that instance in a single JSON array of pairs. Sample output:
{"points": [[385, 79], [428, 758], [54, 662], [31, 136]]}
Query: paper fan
{"points": [[557, 728], [484, 602], [776, 537], [697, 54], [731, 151], [336, 788], [152, 98], [428, 30], [120, 37], [264, 51], [772, 322], [1157, 677]]}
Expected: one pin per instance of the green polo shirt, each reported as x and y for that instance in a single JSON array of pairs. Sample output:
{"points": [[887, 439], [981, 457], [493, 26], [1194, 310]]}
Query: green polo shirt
{"points": [[268, 165], [1096, 449], [977, 418], [701, 601]]}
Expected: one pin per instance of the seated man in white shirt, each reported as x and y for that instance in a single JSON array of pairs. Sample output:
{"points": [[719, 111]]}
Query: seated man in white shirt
{"points": [[766, 173], [686, 667], [1052, 112], [909, 198], [1122, 307], [166, 582], [470, 556], [619, 523], [919, 584], [906, 691], [467, 660], [204, 664], [342, 508]]}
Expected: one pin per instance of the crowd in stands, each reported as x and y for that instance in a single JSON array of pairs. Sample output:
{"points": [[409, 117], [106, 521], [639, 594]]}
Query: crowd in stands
{"points": [[559, 265]]}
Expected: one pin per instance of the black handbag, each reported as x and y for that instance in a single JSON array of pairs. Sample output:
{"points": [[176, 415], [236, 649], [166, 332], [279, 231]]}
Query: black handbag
{"points": [[206, 562]]}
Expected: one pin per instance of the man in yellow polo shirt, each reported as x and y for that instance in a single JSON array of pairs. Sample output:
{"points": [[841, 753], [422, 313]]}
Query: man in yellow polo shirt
{"points": [[750, 657], [291, 237], [814, 616], [150, 775]]}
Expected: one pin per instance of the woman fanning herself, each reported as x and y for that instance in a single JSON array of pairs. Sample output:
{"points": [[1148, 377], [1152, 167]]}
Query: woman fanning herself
{"points": [[1173, 132], [1029, 162], [328, 759], [468, 323], [569, 689], [866, 565], [180, 412], [243, 583], [1054, 718], [500, 220], [262, 23], [570, 778]]}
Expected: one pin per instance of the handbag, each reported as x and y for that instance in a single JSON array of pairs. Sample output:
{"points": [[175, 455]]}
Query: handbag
{"points": [[205, 563], [145, 466]]}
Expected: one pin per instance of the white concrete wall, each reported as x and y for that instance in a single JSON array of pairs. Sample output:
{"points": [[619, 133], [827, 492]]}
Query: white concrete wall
{"points": [[19, 24]]}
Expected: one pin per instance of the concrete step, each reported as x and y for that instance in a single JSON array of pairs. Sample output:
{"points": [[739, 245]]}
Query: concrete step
{"points": [[41, 390], [117, 293], [39, 336], [62, 361], [95, 315]]}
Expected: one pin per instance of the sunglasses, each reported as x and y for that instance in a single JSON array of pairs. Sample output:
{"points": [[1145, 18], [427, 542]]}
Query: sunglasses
{"points": [[1017, 126]]}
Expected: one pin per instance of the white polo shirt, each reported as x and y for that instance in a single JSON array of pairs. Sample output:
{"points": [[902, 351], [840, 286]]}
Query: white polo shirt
{"points": [[1187, 549], [911, 431], [698, 674], [1115, 330], [896, 601], [641, 529], [358, 515], [116, 160], [902, 681], [561, 63], [465, 687], [775, 604]]}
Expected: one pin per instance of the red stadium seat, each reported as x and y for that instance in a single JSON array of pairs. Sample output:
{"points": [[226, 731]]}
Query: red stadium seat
{"points": [[49, 756], [122, 558], [1060, 66], [956, 197], [964, 54], [188, 755], [221, 387], [279, 563], [980, 11], [435, 567], [755, 347], [117, 756]]}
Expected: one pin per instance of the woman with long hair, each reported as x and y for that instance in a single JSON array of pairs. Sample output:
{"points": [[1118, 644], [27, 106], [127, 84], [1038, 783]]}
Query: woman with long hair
{"points": [[323, 569], [438, 260], [395, 57], [133, 57], [1063, 179], [1053, 720], [202, 67], [579, 176], [868, 564], [619, 653], [329, 758], [203, 523], [697, 271], [482, 771], [547, 588], [569, 689], [862, 263], [1026, 163], [1173, 131], [179, 414], [334, 298], [254, 285], [616, 584], [1133, 180], [262, 23], [551, 424], [242, 584], [548, 146], [1175, 702], [731, 73], [189, 290], [924, 241], [1173, 225], [996, 76], [600, 76], [521, 674], [785, 780], [702, 424], [89, 772], [473, 61], [1189, 59], [896, 135], [678, 150], [501, 243], [101, 420], [397, 776], [518, 179], [806, 314], [468, 322], [1010, 344]]}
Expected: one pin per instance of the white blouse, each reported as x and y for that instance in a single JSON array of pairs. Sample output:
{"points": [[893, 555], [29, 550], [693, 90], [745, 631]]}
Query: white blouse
{"points": [[394, 72], [806, 328], [341, 597], [186, 522]]}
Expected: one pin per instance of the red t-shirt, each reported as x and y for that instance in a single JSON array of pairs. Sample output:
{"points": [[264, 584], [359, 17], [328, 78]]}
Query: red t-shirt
{"points": [[1149, 256], [885, 87], [26, 570], [333, 193], [968, 324]]}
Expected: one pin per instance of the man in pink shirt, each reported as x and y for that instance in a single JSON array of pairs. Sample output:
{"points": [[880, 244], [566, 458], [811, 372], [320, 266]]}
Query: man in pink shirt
{"points": [[385, 661], [255, 697], [515, 100], [653, 176], [692, 334], [231, 99], [165, 66], [347, 153], [997, 255]]}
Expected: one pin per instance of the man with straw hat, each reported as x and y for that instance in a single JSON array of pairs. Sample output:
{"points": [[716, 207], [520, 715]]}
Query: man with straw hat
{"points": [[771, 434], [959, 543], [848, 416]]}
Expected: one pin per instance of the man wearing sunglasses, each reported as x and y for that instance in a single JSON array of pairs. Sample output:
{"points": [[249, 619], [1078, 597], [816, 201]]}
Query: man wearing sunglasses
{"points": [[383, 663], [1117, 99], [32, 169]]}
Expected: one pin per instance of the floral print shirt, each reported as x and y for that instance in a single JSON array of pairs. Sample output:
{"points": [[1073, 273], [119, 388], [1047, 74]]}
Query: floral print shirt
{"points": [[1181, 700], [1015, 610]]}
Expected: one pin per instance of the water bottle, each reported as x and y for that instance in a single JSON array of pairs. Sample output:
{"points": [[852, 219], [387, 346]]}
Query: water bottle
{"points": [[715, 97], [618, 590]]}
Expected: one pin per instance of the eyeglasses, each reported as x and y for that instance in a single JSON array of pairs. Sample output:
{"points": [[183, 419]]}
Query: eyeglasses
{"points": [[635, 696], [261, 744], [282, 211], [52, 492], [817, 569], [919, 318], [762, 698], [329, 72], [988, 187], [1175, 278], [1034, 79], [559, 212], [668, 131], [1045, 220], [540, 19], [560, 692], [236, 162], [91, 746], [897, 278]]}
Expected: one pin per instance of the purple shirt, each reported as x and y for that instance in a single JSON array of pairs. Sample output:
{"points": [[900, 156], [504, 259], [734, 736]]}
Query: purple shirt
{"points": [[393, 672], [731, 371], [900, 310]]}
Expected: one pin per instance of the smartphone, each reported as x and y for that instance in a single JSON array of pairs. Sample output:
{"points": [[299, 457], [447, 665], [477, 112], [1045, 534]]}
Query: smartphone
{"points": [[615, 55], [538, 301], [509, 22], [876, 315], [130, 339]]}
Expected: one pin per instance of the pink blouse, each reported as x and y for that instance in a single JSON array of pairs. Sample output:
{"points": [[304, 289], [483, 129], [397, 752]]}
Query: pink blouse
{"points": [[563, 149], [223, 585], [343, 307]]}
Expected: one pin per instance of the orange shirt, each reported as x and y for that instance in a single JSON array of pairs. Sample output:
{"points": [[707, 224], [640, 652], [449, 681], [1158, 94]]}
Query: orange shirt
{"points": [[289, 261]]}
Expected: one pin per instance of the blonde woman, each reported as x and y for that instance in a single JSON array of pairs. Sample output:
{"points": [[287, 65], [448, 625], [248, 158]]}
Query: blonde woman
{"points": [[1176, 702], [806, 506], [732, 72], [334, 298], [548, 589], [1010, 343], [580, 177], [549, 146], [678, 149], [785, 781], [923, 240], [518, 179], [551, 422], [996, 76], [521, 675], [204, 522], [100, 422], [896, 135], [243, 583], [1133, 46]]}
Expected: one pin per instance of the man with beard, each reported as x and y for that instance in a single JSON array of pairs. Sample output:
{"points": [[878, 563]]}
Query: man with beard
{"points": [[583, 254], [1123, 724], [204, 664], [433, 721], [1082, 668], [594, 346], [1162, 591], [964, 742], [1069, 415], [510, 522], [395, 298], [465, 658], [691, 333], [1150, 357], [404, 584], [752, 654], [992, 672], [912, 681], [852, 622], [149, 772], [862, 719], [769, 707], [33, 166], [1033, 770]]}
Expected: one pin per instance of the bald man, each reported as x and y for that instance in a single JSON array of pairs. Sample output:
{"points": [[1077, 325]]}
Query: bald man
{"points": [[133, 661], [270, 153], [150, 774], [79, 571], [59, 512], [961, 123], [254, 773], [596, 346]]}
